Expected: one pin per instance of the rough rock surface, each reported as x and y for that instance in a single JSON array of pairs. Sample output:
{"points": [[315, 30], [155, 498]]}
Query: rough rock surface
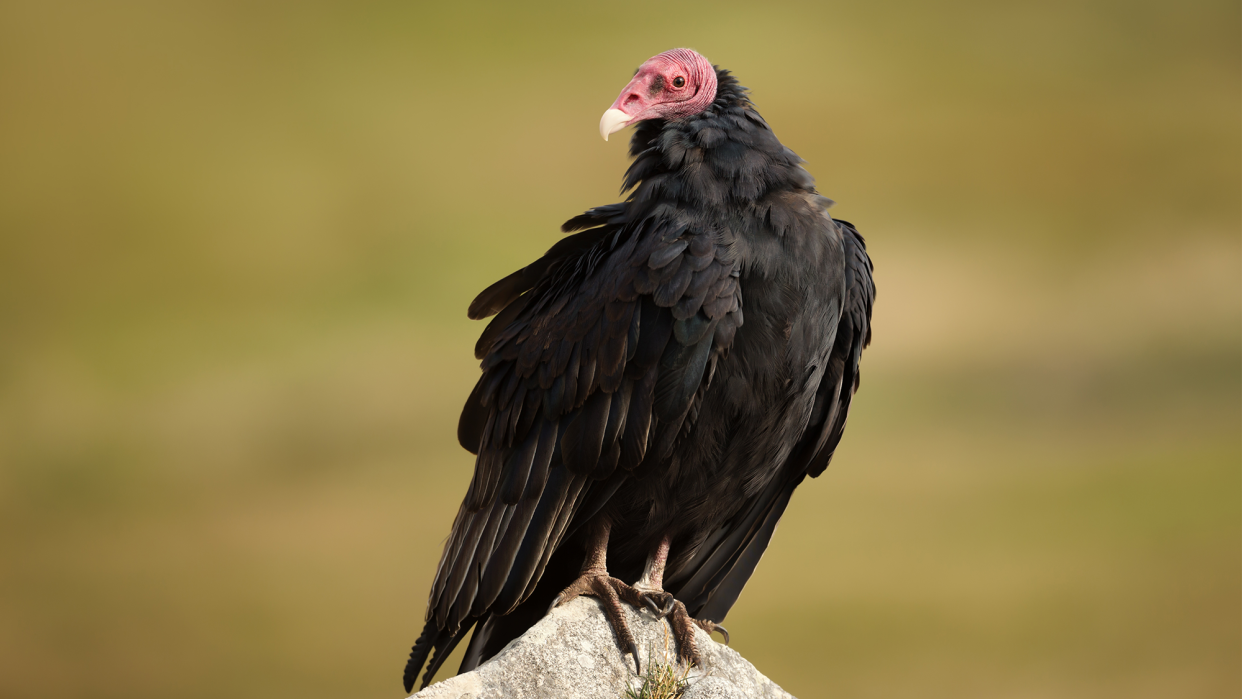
{"points": [[572, 654]]}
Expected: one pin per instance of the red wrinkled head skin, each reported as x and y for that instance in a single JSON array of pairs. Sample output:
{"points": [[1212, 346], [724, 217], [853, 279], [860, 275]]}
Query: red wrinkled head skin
{"points": [[654, 93]]}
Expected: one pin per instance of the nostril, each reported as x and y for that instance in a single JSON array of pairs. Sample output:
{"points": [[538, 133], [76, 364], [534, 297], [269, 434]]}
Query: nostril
{"points": [[631, 98]]}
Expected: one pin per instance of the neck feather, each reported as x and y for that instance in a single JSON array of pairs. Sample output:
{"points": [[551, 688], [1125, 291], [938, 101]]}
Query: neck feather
{"points": [[727, 154]]}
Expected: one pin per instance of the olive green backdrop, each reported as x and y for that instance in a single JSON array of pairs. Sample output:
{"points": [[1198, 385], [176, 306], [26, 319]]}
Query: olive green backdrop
{"points": [[237, 241]]}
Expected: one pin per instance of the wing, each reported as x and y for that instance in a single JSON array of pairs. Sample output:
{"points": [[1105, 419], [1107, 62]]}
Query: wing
{"points": [[712, 581], [591, 364]]}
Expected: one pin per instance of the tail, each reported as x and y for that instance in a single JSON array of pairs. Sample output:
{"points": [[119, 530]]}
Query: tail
{"points": [[432, 639], [418, 656]]}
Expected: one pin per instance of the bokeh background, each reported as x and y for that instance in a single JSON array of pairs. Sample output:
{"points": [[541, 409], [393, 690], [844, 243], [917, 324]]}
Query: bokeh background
{"points": [[237, 241]]}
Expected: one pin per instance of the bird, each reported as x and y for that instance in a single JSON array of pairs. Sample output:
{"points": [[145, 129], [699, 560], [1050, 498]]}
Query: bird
{"points": [[656, 385]]}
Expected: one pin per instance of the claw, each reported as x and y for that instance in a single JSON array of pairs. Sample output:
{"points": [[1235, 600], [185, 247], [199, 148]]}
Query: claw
{"points": [[556, 602], [652, 600], [651, 604], [638, 668], [711, 627]]}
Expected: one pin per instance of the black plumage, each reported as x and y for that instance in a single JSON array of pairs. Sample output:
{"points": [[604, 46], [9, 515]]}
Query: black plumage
{"points": [[622, 383]]}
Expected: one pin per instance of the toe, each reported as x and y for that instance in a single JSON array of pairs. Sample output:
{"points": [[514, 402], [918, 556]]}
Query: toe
{"points": [[711, 627], [683, 631]]}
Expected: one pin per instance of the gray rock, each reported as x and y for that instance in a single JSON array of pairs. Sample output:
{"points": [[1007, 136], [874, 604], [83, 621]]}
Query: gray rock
{"points": [[573, 654]]}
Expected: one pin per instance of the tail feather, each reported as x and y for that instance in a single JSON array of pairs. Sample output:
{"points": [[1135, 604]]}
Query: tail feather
{"points": [[418, 655], [439, 644], [444, 649]]}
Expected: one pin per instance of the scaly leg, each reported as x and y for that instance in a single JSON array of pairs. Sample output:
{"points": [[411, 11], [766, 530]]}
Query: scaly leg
{"points": [[595, 580]]}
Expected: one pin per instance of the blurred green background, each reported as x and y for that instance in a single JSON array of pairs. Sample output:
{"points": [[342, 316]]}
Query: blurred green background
{"points": [[237, 241]]}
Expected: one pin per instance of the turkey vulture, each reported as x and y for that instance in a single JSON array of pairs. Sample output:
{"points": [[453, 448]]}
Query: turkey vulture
{"points": [[631, 424]]}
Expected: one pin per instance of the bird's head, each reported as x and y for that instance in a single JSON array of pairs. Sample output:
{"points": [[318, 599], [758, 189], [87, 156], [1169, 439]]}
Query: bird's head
{"points": [[674, 84]]}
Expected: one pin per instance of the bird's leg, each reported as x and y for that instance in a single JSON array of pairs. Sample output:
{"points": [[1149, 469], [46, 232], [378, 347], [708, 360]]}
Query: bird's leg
{"points": [[651, 585], [595, 580], [651, 589]]}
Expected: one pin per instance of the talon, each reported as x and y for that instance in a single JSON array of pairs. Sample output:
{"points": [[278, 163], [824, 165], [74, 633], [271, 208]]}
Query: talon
{"points": [[638, 669], [711, 627], [660, 603], [651, 604]]}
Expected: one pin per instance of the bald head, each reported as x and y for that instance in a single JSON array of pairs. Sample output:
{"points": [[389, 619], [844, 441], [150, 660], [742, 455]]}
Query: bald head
{"points": [[674, 84]]}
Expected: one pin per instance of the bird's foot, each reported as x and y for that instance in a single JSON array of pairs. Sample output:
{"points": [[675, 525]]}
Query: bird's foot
{"points": [[664, 606], [611, 592]]}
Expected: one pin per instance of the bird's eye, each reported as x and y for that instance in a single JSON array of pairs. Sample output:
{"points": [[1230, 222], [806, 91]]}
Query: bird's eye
{"points": [[679, 81]]}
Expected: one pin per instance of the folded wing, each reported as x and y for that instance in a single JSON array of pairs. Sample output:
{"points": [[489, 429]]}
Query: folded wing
{"points": [[712, 581], [591, 365]]}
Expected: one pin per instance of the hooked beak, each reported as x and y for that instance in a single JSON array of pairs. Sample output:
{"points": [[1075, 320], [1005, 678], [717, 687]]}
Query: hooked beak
{"points": [[613, 121]]}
